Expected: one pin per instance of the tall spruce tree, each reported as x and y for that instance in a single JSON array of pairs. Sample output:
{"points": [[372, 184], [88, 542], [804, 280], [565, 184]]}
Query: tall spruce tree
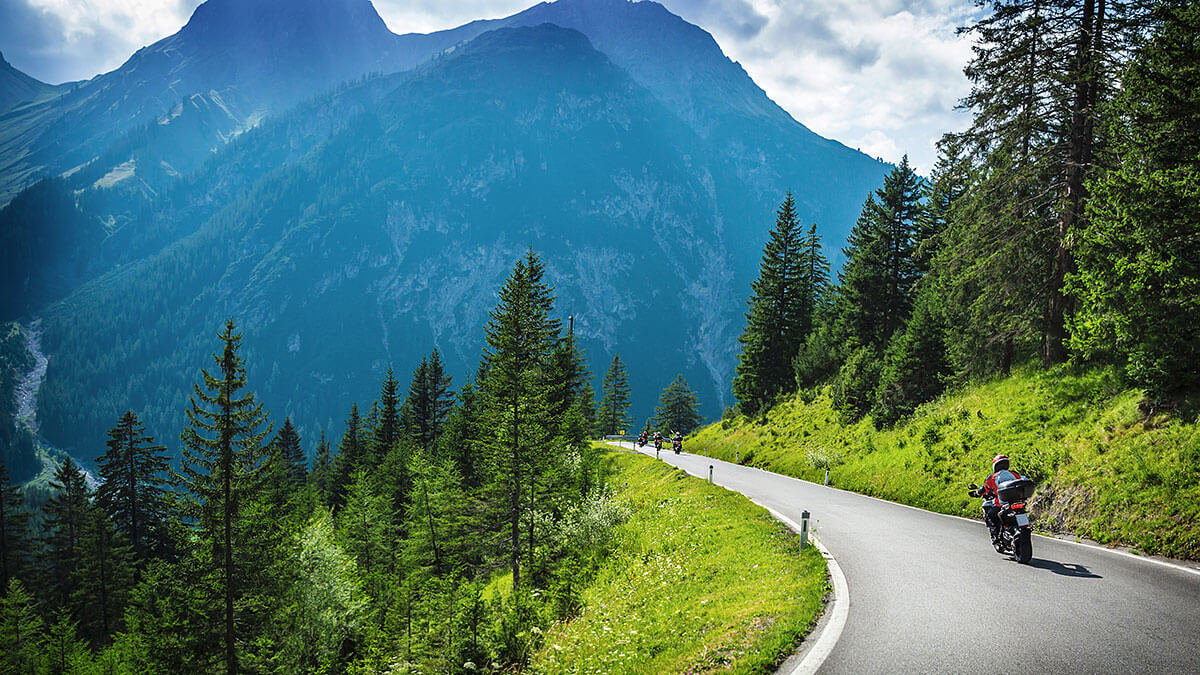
{"points": [[289, 467], [385, 430], [815, 270], [880, 274], [429, 401], [352, 451], [133, 474], [520, 336], [322, 474], [221, 480], [569, 387], [613, 415], [14, 531], [780, 315], [65, 515], [103, 578], [678, 408]]}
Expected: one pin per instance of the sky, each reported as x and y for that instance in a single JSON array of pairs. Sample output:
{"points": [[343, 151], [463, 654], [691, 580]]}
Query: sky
{"points": [[883, 76]]}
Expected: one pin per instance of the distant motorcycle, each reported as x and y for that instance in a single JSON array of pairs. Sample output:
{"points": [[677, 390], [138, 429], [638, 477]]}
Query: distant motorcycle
{"points": [[1016, 533], [677, 446], [641, 441], [658, 444]]}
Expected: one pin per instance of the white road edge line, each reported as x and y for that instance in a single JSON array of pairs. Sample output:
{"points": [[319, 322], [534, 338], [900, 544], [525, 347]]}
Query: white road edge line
{"points": [[815, 657]]}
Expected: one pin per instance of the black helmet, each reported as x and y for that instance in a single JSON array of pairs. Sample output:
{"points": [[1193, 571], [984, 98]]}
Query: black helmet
{"points": [[1000, 463]]}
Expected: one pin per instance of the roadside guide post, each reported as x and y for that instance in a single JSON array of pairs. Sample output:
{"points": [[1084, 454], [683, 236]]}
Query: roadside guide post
{"points": [[803, 529], [710, 474]]}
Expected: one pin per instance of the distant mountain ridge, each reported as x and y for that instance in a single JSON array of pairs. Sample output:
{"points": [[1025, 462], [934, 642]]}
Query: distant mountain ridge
{"points": [[366, 224]]}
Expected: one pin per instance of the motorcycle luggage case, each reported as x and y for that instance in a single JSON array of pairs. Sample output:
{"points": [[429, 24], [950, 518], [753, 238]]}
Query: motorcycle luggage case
{"points": [[1015, 490]]}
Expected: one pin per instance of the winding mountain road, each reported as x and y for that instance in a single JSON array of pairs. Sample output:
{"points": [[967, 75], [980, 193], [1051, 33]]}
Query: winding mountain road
{"points": [[927, 594]]}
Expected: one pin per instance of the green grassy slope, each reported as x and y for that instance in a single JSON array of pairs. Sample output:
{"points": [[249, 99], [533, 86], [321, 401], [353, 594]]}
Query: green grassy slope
{"points": [[701, 581], [1104, 470]]}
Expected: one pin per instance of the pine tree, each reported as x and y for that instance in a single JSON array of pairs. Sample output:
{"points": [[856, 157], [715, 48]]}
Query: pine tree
{"points": [[436, 515], [322, 474], [520, 337], [65, 653], [132, 492], [65, 515], [569, 387], [21, 632], [14, 532], [678, 408], [104, 577], [815, 272], [915, 366], [222, 473], [429, 401], [613, 415], [780, 316], [366, 530], [880, 274], [352, 451], [385, 430], [462, 442], [1138, 282], [287, 467]]}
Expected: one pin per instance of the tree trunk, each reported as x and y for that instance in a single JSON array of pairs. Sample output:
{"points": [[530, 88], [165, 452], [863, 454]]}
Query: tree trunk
{"points": [[1079, 157]]}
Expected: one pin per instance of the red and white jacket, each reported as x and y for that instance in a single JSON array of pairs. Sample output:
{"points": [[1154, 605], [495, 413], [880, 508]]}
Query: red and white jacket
{"points": [[988, 491]]}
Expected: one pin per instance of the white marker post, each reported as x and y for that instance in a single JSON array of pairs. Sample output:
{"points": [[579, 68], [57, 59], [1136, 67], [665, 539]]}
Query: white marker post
{"points": [[803, 529]]}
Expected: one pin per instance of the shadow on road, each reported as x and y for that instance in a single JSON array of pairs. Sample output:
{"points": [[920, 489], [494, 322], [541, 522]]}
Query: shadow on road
{"points": [[1065, 569]]}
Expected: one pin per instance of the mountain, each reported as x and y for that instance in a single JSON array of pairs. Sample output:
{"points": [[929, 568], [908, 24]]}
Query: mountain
{"points": [[235, 60], [367, 224], [17, 87]]}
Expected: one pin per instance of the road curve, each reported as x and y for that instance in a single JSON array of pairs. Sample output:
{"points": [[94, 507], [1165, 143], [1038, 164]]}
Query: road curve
{"points": [[929, 595]]}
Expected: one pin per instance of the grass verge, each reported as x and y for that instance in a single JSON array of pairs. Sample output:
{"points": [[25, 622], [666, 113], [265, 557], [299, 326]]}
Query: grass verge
{"points": [[701, 580], [1104, 469]]}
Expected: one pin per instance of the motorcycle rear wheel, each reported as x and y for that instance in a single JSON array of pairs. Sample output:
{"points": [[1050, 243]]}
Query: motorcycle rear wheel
{"points": [[1024, 547]]}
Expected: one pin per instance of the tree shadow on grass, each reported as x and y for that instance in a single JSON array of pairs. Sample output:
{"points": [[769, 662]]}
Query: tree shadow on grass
{"points": [[1064, 569]]}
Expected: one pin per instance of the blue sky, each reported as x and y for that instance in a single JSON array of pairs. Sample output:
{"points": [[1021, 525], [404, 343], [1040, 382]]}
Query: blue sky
{"points": [[879, 75]]}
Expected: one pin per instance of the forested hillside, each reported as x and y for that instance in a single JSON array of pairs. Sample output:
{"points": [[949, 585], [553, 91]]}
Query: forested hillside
{"points": [[1060, 232], [246, 557]]}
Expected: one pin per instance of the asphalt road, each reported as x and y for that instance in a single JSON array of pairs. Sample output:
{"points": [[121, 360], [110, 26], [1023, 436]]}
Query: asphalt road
{"points": [[928, 594]]}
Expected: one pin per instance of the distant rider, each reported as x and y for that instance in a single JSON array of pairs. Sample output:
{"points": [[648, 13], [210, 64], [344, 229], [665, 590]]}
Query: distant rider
{"points": [[991, 508], [678, 439]]}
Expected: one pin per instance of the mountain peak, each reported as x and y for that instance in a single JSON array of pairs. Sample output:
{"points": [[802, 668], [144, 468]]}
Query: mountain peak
{"points": [[17, 87]]}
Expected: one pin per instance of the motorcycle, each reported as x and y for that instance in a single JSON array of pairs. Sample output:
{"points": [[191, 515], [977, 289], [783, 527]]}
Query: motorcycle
{"points": [[641, 441], [1016, 532], [657, 444], [677, 446]]}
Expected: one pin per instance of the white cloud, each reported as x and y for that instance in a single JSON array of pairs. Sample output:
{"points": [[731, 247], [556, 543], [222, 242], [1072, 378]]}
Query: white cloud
{"points": [[883, 76], [880, 75]]}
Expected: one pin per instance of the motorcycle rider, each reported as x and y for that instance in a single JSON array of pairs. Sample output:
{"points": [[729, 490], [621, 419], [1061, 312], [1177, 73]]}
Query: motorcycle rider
{"points": [[642, 438], [677, 439], [991, 507], [657, 438]]}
